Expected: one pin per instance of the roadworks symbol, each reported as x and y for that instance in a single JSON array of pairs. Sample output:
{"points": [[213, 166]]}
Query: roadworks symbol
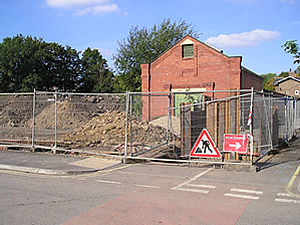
{"points": [[205, 146]]}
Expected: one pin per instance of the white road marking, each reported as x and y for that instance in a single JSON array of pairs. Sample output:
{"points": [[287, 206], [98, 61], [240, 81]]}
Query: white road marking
{"points": [[287, 200], [201, 186], [150, 175], [284, 195], [108, 182], [241, 196], [192, 179], [193, 190], [246, 191], [146, 186]]}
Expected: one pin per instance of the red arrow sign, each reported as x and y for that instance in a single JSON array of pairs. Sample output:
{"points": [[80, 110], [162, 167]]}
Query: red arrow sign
{"points": [[235, 143]]}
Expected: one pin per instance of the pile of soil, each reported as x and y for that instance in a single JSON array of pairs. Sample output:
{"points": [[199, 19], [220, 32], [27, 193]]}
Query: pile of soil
{"points": [[15, 110], [108, 129], [74, 111], [163, 122], [69, 116]]}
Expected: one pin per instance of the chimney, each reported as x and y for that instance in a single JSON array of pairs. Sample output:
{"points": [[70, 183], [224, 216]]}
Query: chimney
{"points": [[292, 73]]}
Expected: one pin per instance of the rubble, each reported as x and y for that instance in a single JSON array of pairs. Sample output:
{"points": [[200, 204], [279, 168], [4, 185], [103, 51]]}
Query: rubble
{"points": [[108, 129]]}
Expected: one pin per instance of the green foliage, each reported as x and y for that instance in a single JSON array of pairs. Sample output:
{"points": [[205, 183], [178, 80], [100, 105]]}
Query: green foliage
{"points": [[144, 46], [284, 74], [29, 62], [269, 79], [96, 75], [292, 48], [269, 85]]}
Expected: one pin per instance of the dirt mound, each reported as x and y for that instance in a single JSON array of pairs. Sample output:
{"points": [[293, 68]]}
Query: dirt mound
{"points": [[74, 111], [108, 129], [15, 110], [69, 116], [163, 121]]}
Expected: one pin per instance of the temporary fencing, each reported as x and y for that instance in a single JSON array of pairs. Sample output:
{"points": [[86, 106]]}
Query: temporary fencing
{"points": [[91, 123], [187, 126], [218, 127], [15, 111]]}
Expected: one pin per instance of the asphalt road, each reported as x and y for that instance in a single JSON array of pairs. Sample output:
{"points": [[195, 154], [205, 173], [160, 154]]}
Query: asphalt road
{"points": [[156, 194]]}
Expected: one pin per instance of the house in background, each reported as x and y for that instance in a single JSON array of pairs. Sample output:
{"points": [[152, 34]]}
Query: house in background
{"points": [[289, 85], [195, 66]]}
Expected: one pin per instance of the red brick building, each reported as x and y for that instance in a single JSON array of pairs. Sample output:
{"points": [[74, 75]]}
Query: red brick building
{"points": [[194, 65]]}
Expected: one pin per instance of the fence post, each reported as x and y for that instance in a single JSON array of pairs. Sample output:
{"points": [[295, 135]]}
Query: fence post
{"points": [[286, 120], [126, 127], [251, 149], [33, 120], [169, 120], [268, 122], [294, 114], [130, 125], [55, 122], [250, 124], [250, 118]]}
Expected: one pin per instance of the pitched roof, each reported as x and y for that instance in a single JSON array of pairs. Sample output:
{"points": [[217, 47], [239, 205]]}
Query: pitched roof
{"points": [[287, 78], [190, 37]]}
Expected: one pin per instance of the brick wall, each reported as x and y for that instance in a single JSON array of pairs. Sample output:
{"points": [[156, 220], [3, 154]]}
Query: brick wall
{"points": [[208, 69], [251, 80]]}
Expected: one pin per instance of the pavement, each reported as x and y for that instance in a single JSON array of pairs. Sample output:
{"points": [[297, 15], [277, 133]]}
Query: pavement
{"points": [[58, 164], [51, 164]]}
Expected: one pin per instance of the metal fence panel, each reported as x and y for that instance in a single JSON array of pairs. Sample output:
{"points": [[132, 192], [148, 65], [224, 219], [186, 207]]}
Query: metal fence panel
{"points": [[156, 126], [15, 111], [269, 119]]}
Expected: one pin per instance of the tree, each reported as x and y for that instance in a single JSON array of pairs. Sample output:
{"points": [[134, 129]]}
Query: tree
{"points": [[96, 76], [19, 67], [29, 62], [292, 48], [268, 81], [143, 46]]}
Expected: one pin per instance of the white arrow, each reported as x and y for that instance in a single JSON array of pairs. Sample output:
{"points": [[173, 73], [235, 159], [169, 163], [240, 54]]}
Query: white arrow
{"points": [[236, 145]]}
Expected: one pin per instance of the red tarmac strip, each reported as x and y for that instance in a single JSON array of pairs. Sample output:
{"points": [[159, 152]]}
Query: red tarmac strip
{"points": [[165, 206]]}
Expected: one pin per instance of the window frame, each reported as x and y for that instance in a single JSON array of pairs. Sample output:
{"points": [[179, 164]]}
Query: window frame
{"points": [[184, 52]]}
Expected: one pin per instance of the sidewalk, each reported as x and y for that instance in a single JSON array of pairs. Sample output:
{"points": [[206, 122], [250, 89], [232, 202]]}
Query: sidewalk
{"points": [[50, 164]]}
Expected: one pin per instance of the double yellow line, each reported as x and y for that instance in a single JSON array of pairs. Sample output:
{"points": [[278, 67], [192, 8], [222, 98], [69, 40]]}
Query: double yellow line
{"points": [[290, 184]]}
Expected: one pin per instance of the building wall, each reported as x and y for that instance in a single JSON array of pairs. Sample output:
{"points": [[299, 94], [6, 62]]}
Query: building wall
{"points": [[288, 87], [208, 68], [250, 80]]}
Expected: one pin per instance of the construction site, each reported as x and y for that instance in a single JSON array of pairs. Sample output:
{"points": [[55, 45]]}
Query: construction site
{"points": [[162, 126]]}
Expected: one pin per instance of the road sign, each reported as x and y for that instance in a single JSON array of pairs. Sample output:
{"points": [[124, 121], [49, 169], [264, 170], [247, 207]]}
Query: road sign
{"points": [[235, 143], [205, 147]]}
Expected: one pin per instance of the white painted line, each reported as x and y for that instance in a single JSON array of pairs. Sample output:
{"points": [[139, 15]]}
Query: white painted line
{"points": [[193, 190], [241, 196], [108, 182], [284, 195], [146, 186], [287, 200], [192, 179], [246, 191], [150, 175], [202, 186]]}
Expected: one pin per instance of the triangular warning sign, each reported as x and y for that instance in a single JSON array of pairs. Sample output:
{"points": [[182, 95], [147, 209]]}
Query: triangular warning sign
{"points": [[205, 147]]}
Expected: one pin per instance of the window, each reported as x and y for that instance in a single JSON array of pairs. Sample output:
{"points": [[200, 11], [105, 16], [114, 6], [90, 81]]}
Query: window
{"points": [[187, 51]]}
